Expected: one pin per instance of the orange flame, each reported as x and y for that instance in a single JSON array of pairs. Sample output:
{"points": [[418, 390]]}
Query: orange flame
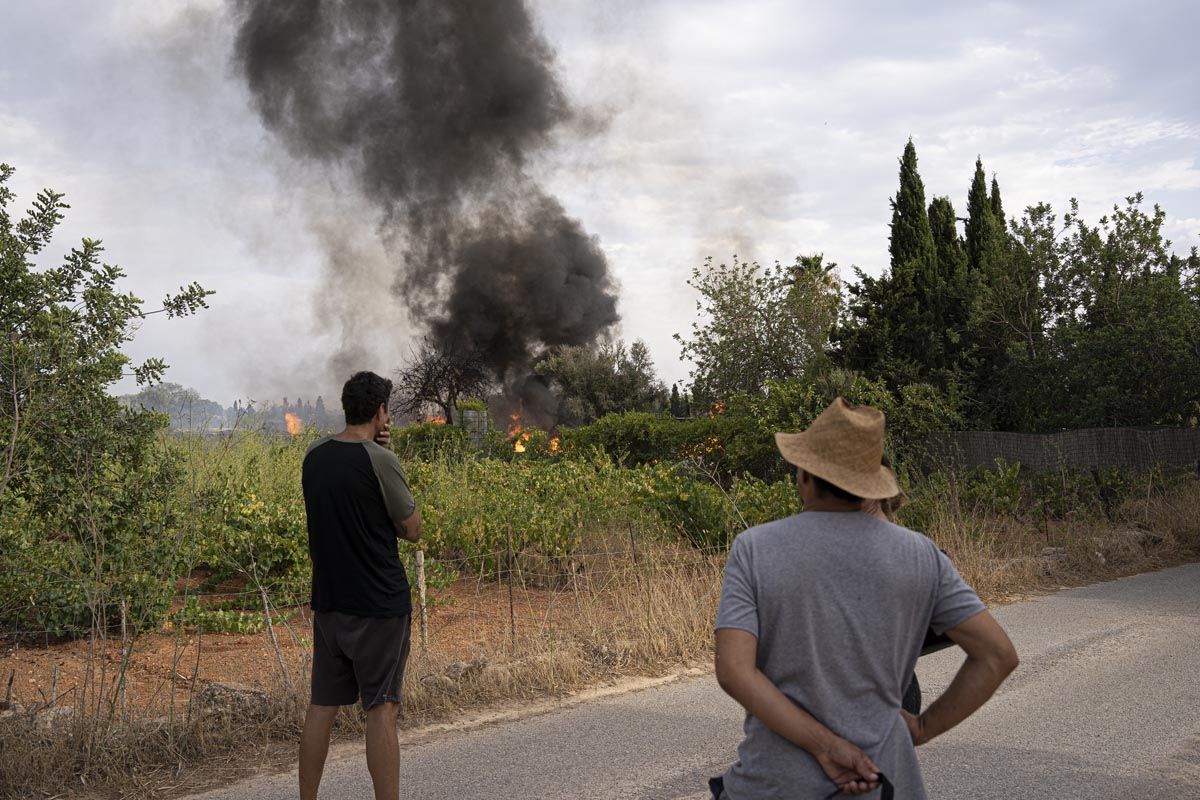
{"points": [[294, 425], [436, 420], [517, 432], [554, 444], [514, 431]]}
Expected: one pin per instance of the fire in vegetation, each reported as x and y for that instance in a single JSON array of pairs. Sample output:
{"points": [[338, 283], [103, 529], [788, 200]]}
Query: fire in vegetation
{"points": [[435, 420], [294, 424], [521, 435], [517, 432]]}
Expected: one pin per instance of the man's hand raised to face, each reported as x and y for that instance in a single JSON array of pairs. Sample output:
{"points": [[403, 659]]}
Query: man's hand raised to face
{"points": [[384, 437]]}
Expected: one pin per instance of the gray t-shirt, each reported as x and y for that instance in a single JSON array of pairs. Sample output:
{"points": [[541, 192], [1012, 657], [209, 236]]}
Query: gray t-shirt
{"points": [[839, 603]]}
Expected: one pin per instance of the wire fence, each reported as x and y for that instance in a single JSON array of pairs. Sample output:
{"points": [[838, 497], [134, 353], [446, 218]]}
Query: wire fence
{"points": [[1126, 449], [503, 602]]}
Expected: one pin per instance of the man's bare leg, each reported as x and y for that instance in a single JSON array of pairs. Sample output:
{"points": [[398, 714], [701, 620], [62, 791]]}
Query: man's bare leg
{"points": [[383, 751], [314, 746]]}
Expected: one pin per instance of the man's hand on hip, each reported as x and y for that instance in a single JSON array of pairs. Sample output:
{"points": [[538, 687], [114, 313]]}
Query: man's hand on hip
{"points": [[916, 728]]}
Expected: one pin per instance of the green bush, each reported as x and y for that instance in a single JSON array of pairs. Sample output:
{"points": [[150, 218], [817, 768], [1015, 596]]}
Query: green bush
{"points": [[724, 445], [70, 560], [429, 440], [738, 438], [635, 437], [477, 508], [472, 404]]}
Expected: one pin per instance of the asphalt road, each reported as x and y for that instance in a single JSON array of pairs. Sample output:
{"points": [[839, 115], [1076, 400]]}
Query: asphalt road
{"points": [[1105, 704]]}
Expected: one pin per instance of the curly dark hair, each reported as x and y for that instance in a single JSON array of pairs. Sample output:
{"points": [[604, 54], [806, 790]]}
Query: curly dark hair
{"points": [[362, 395]]}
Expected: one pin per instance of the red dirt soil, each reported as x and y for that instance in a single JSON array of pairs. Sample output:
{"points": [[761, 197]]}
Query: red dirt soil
{"points": [[468, 618]]}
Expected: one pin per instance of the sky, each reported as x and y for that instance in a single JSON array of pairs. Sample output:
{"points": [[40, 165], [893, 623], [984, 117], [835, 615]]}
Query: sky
{"points": [[751, 127]]}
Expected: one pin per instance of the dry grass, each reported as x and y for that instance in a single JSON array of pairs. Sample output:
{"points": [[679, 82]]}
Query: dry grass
{"points": [[606, 616], [1006, 557], [619, 607]]}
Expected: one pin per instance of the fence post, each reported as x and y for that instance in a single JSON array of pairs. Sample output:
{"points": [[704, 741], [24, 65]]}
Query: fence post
{"points": [[424, 624], [512, 614], [124, 659], [957, 502], [287, 679], [643, 588]]}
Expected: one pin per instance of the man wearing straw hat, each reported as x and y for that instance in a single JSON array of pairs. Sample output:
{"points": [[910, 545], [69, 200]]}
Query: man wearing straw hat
{"points": [[821, 621]]}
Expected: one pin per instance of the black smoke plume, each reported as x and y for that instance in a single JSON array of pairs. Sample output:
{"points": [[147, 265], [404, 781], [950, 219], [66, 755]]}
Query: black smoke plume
{"points": [[435, 107]]}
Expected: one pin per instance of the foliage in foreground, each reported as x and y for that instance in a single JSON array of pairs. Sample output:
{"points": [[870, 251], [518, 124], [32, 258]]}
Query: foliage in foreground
{"points": [[88, 524], [238, 525]]}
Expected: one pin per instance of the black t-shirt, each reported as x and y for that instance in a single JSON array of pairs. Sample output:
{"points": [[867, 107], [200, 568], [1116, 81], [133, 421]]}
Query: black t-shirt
{"points": [[355, 495]]}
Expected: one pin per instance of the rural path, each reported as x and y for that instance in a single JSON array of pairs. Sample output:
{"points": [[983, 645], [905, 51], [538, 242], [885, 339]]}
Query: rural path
{"points": [[1105, 704]]}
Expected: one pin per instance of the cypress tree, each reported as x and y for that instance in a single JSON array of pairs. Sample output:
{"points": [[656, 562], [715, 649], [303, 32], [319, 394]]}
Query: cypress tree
{"points": [[948, 246], [912, 252], [981, 224], [915, 297], [997, 206], [676, 405], [995, 294], [894, 331], [956, 288]]}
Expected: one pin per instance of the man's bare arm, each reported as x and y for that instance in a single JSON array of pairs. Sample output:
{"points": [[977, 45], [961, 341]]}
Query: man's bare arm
{"points": [[410, 526], [737, 673], [991, 657]]}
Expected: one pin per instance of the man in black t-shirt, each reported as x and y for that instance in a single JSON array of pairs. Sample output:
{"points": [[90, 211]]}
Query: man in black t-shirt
{"points": [[358, 504]]}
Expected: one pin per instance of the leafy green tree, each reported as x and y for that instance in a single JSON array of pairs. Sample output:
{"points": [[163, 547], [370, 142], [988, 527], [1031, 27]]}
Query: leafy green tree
{"points": [[1128, 332], [758, 324], [592, 382], [85, 485], [1088, 325], [1015, 367]]}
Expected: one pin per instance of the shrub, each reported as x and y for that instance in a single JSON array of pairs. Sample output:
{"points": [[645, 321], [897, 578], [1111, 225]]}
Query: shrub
{"points": [[634, 437], [429, 440], [724, 445]]}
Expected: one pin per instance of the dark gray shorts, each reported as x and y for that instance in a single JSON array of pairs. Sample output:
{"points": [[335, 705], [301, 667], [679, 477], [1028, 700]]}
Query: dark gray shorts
{"points": [[358, 658]]}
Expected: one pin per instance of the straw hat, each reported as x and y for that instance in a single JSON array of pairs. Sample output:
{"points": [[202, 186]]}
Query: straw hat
{"points": [[844, 446]]}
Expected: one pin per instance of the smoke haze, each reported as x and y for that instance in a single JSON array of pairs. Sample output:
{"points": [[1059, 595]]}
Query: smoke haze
{"points": [[434, 108]]}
